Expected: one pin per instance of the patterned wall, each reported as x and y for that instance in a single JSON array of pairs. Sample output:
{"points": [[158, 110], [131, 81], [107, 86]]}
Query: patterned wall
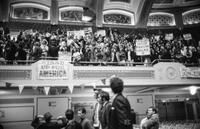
{"points": [[161, 20], [191, 17]]}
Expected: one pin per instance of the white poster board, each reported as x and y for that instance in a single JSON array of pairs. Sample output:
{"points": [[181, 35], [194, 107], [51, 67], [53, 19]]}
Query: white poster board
{"points": [[142, 47], [140, 103], [16, 113], [169, 36], [77, 34], [56, 106], [101, 32], [187, 36], [157, 37]]}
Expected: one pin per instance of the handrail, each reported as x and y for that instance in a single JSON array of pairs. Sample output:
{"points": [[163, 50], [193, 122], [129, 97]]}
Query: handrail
{"points": [[162, 60], [85, 63]]}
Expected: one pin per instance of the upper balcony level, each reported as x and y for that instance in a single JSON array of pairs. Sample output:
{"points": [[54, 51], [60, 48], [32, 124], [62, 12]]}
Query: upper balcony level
{"points": [[60, 73]]}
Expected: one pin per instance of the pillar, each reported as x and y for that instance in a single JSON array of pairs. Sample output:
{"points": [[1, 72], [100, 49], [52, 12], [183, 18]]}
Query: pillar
{"points": [[99, 13], [54, 16]]}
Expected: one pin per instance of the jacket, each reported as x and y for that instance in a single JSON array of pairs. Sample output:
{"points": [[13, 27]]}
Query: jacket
{"points": [[120, 113]]}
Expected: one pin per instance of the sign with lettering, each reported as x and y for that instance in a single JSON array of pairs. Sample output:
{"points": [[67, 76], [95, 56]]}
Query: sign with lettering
{"points": [[53, 69], [142, 47], [190, 73]]}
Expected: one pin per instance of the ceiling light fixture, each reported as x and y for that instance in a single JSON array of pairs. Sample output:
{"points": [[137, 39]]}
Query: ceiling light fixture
{"points": [[193, 90]]}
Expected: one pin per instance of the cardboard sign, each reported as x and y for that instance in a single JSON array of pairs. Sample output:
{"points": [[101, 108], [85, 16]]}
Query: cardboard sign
{"points": [[187, 36], [169, 36], [142, 47]]}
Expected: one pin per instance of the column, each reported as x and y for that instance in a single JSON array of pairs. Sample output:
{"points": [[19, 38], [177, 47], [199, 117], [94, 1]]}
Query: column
{"points": [[5, 10], [54, 16], [195, 110], [99, 13], [178, 18], [143, 16]]}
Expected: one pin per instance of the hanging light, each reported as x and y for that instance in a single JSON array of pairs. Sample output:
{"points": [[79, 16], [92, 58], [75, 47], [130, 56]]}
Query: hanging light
{"points": [[193, 90], [87, 14]]}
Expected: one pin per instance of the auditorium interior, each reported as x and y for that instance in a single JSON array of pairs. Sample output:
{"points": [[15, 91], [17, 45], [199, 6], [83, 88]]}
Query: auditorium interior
{"points": [[53, 53]]}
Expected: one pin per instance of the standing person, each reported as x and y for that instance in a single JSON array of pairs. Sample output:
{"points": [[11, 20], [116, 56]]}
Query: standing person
{"points": [[120, 111], [96, 122], [151, 121], [105, 109], [133, 116], [72, 124], [85, 122]]}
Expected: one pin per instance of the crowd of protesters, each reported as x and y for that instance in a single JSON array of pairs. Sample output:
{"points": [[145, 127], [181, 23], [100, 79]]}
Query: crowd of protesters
{"points": [[113, 47]]}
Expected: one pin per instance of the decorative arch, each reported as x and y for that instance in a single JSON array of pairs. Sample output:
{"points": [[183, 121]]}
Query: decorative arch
{"points": [[30, 11], [161, 19], [126, 1], [191, 17], [118, 17], [71, 13]]}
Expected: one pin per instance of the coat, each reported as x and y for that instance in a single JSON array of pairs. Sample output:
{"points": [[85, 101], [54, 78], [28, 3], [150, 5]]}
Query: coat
{"points": [[120, 113], [104, 115]]}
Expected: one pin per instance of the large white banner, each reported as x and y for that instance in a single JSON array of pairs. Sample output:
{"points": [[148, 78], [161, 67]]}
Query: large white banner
{"points": [[53, 69], [142, 47]]}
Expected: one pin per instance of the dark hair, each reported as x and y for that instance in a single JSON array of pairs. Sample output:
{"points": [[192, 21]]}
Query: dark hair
{"points": [[47, 116], [69, 114], [116, 84], [105, 95], [97, 92], [83, 110]]}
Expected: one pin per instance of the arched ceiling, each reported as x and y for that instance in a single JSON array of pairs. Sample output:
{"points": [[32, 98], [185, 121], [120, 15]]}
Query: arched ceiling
{"points": [[174, 3]]}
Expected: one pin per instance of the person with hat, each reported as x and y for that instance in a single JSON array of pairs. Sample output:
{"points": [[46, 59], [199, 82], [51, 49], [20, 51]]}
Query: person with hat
{"points": [[120, 112], [48, 124]]}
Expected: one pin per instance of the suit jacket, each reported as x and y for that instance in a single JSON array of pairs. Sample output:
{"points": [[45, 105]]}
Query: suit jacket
{"points": [[104, 115], [119, 116]]}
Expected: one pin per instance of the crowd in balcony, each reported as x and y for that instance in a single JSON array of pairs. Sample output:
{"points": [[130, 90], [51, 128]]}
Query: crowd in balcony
{"points": [[92, 47]]}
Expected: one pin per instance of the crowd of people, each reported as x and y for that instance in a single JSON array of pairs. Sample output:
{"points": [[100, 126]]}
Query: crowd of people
{"points": [[180, 125], [109, 113], [113, 47]]}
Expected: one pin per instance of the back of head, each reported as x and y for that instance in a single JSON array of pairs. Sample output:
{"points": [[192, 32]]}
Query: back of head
{"points": [[69, 114], [47, 116], [117, 85]]}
